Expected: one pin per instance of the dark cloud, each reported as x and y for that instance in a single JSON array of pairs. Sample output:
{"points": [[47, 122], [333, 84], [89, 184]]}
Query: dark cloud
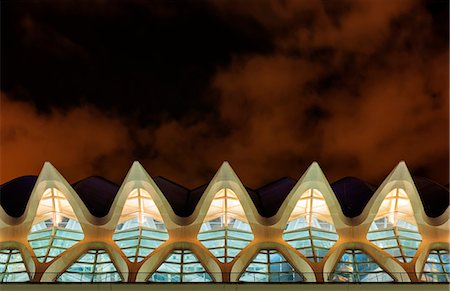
{"points": [[268, 85]]}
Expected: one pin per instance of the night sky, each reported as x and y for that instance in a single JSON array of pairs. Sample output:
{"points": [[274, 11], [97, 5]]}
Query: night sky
{"points": [[181, 86]]}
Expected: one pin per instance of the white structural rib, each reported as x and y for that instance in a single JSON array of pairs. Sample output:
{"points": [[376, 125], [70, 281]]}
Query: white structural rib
{"points": [[138, 178], [268, 232]]}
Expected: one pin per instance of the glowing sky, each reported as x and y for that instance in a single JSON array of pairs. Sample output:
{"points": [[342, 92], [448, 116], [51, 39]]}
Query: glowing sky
{"points": [[269, 86]]}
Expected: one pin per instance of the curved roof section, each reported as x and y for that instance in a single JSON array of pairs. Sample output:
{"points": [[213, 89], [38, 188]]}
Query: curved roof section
{"points": [[272, 195], [435, 197], [14, 195], [97, 194], [353, 194]]}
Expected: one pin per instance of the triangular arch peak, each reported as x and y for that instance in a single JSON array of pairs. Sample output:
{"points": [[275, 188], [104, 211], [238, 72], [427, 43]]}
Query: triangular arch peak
{"points": [[310, 228], [269, 265], [50, 178], [225, 230], [394, 227], [357, 266], [225, 178], [183, 266], [315, 180], [140, 229], [55, 227], [139, 187]]}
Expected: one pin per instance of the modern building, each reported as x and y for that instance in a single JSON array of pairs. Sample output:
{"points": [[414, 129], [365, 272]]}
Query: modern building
{"points": [[155, 231]]}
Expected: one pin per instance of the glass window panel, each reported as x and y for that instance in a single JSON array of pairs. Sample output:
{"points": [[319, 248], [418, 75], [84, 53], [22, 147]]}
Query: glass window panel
{"points": [[179, 267], [357, 266], [94, 266], [310, 226], [225, 225], [142, 224], [12, 268], [218, 252], [55, 219], [296, 235], [436, 268], [395, 221], [270, 266]]}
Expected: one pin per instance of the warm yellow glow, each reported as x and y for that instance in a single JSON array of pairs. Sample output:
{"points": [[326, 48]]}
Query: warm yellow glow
{"points": [[54, 206], [226, 203], [311, 204], [396, 206], [140, 204]]}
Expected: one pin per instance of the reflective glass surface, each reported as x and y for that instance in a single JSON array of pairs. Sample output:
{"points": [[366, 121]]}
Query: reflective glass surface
{"points": [[225, 231], [394, 228], [12, 268], [181, 266], [94, 266], [310, 229], [55, 227], [270, 266], [437, 267], [140, 230], [356, 266]]}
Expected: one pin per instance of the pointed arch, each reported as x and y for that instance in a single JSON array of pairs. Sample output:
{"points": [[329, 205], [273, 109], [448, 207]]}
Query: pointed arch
{"points": [[225, 178], [269, 265], [152, 262], [310, 225], [433, 264], [67, 259], [225, 230], [139, 187], [12, 266], [312, 179], [93, 266], [357, 266], [300, 265], [55, 227], [140, 229], [391, 266], [21, 251], [393, 224], [182, 266]]}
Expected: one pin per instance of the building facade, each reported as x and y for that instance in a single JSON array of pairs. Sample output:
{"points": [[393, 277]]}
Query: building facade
{"points": [[225, 238]]}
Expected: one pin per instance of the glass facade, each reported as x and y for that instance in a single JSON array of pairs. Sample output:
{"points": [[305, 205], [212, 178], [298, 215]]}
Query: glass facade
{"points": [[55, 227], [270, 266], [181, 266], [310, 229], [94, 266], [356, 266], [225, 231], [140, 229], [394, 228], [12, 268], [437, 267]]}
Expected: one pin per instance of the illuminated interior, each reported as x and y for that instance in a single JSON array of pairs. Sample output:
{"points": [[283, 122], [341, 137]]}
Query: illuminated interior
{"points": [[270, 266], [181, 266], [437, 267], [12, 268], [310, 228], [55, 227], [225, 230], [141, 229], [357, 266], [394, 228], [94, 266]]}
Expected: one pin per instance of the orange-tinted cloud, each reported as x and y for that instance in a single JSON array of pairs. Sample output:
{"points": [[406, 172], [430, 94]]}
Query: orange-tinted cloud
{"points": [[79, 142], [355, 85]]}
